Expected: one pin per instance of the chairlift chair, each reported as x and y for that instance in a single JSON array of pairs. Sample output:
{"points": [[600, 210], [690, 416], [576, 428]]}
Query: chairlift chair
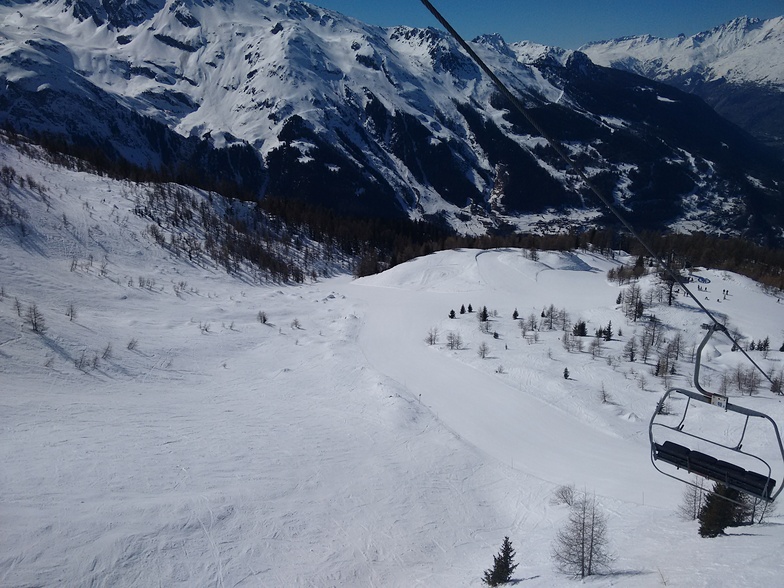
{"points": [[676, 445]]}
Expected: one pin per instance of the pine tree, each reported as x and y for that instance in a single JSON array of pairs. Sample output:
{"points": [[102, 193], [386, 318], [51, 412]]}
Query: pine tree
{"points": [[608, 332], [462, 309], [452, 313], [503, 565], [718, 512]]}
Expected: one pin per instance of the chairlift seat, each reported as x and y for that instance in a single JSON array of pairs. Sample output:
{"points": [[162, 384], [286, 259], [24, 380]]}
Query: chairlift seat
{"points": [[701, 463], [708, 466], [677, 455], [759, 484], [732, 474]]}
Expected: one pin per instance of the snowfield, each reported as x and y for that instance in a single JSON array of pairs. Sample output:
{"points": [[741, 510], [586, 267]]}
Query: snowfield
{"points": [[164, 436]]}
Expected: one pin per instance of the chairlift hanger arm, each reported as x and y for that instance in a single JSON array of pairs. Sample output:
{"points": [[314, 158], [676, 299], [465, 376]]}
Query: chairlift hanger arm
{"points": [[698, 359], [730, 407]]}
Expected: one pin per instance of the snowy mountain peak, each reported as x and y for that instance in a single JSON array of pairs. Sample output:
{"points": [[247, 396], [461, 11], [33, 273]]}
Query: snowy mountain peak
{"points": [[369, 120], [118, 14], [495, 42], [742, 50], [738, 68]]}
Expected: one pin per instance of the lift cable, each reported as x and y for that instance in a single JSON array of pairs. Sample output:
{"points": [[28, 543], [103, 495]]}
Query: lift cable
{"points": [[580, 171]]}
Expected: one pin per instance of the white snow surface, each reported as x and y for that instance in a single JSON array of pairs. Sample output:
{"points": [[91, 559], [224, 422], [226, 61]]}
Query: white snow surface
{"points": [[341, 452], [741, 51], [248, 59]]}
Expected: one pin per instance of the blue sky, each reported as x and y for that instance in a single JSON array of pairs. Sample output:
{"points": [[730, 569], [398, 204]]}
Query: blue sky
{"points": [[568, 23]]}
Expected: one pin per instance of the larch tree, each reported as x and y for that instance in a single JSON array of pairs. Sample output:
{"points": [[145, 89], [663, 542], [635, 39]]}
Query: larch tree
{"points": [[581, 548]]}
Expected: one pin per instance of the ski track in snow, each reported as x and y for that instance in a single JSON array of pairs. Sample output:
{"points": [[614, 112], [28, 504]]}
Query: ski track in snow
{"points": [[346, 452]]}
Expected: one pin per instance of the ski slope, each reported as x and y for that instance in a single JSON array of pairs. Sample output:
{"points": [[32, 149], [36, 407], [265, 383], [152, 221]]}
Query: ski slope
{"points": [[506, 418], [331, 446]]}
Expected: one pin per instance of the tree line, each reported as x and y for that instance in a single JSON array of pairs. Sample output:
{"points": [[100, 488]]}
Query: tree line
{"points": [[376, 244]]}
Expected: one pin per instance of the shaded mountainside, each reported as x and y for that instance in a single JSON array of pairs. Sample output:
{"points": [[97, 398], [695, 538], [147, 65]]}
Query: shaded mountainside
{"points": [[293, 101], [737, 68]]}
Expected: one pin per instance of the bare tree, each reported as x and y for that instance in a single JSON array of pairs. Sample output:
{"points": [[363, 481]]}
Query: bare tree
{"points": [[35, 318], [604, 396], [776, 382], [693, 500], [432, 336], [81, 361], [594, 347], [676, 346], [564, 495], [70, 312], [632, 302], [747, 380], [563, 316], [484, 350], [630, 349], [692, 352], [581, 548], [645, 347], [550, 317], [759, 509], [531, 323], [454, 340], [724, 384]]}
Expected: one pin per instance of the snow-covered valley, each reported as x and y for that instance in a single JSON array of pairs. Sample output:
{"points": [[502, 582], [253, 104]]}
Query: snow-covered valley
{"points": [[156, 432]]}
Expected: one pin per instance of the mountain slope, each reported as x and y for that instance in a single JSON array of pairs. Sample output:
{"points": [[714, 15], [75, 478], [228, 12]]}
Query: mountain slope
{"points": [[155, 432], [738, 68], [372, 121]]}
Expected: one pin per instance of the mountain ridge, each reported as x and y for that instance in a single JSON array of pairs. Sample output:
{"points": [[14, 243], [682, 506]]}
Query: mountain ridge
{"points": [[738, 68], [375, 121]]}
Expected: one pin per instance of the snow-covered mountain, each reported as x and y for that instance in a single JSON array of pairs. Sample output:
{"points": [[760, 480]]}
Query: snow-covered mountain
{"points": [[287, 99], [738, 68], [154, 431]]}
